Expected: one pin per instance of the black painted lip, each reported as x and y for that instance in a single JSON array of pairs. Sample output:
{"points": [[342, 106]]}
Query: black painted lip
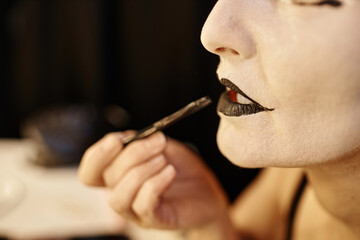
{"points": [[229, 108], [227, 83]]}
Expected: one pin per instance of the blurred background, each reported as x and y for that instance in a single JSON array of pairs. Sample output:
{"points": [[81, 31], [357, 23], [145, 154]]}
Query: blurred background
{"points": [[144, 56]]}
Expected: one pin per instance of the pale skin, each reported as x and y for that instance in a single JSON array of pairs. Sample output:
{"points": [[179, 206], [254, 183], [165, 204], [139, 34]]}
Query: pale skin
{"points": [[300, 59]]}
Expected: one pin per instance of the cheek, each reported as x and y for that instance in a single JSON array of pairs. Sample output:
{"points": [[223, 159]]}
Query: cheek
{"points": [[317, 86], [312, 58], [313, 65]]}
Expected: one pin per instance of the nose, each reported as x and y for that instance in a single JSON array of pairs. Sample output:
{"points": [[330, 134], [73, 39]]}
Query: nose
{"points": [[225, 32]]}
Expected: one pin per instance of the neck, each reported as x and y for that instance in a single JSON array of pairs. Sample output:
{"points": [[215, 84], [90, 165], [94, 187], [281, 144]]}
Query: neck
{"points": [[337, 187]]}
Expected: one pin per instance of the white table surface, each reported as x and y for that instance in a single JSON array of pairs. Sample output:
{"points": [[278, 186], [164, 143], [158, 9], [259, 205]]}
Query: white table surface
{"points": [[48, 202]]}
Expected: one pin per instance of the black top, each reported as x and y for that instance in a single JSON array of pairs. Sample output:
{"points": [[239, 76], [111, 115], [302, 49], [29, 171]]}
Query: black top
{"points": [[294, 206]]}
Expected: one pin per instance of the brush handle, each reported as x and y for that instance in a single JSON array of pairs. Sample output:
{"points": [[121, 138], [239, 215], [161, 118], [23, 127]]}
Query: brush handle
{"points": [[167, 121]]}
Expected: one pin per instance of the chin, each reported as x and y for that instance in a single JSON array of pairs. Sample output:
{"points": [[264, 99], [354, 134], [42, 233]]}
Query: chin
{"points": [[240, 157], [258, 149], [238, 149]]}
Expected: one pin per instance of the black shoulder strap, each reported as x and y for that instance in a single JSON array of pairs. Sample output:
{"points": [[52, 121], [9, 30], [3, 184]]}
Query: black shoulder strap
{"points": [[294, 205]]}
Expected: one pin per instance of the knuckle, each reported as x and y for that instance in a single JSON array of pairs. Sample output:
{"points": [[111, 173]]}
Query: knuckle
{"points": [[118, 205], [89, 179], [141, 209], [83, 177]]}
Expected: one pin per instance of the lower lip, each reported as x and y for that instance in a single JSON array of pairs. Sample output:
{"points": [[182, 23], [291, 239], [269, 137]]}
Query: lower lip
{"points": [[233, 109]]}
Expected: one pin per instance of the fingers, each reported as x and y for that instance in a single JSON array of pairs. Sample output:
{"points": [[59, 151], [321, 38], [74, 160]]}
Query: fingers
{"points": [[149, 195], [134, 154], [99, 156], [137, 175], [124, 192], [137, 195]]}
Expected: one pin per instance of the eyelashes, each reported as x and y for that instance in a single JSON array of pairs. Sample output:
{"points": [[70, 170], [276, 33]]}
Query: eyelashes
{"points": [[332, 3]]}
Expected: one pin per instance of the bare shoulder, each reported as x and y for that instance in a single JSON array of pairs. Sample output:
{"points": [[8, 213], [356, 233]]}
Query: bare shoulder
{"points": [[261, 210]]}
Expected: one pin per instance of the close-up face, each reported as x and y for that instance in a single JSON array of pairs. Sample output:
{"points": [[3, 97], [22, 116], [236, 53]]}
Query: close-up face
{"points": [[291, 69]]}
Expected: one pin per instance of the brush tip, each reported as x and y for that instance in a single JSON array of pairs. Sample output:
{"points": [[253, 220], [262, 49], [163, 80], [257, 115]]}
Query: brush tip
{"points": [[204, 101]]}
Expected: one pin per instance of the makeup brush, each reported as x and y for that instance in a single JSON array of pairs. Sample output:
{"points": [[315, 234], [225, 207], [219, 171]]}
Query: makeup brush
{"points": [[188, 110]]}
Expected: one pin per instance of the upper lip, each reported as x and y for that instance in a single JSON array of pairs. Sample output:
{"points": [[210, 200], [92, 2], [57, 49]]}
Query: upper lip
{"points": [[227, 83]]}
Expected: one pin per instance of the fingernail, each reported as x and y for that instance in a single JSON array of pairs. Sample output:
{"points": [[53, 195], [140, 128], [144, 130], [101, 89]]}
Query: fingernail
{"points": [[156, 140]]}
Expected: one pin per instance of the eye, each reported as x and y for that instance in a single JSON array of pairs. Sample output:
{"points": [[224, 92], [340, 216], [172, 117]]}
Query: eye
{"points": [[332, 3]]}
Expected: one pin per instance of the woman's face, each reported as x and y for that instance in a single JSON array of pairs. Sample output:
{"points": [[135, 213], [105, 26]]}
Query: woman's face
{"points": [[300, 61]]}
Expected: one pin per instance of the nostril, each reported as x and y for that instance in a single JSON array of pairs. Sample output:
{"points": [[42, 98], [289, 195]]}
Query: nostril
{"points": [[226, 50]]}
